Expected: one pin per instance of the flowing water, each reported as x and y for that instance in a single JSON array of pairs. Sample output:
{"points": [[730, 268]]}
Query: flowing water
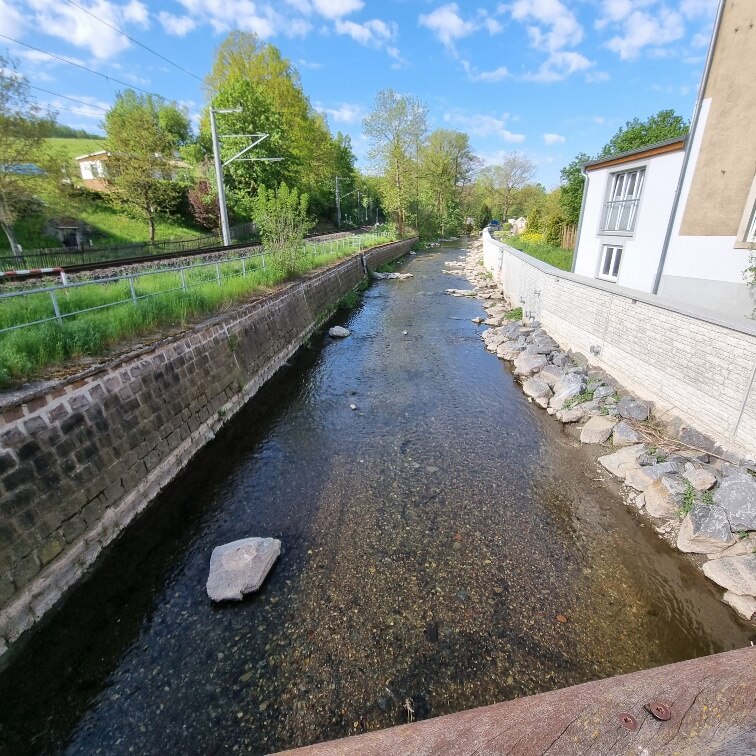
{"points": [[430, 539]]}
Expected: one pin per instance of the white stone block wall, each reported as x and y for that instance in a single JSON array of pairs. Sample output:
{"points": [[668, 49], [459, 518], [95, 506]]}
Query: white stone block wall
{"points": [[692, 364]]}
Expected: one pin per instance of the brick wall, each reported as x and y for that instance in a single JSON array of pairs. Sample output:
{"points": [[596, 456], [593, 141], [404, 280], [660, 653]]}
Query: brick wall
{"points": [[692, 364], [79, 458]]}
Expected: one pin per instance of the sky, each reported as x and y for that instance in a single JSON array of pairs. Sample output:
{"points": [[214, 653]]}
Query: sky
{"points": [[548, 78]]}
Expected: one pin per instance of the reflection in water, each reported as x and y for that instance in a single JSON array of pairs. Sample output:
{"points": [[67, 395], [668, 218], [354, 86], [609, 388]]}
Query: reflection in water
{"points": [[431, 538]]}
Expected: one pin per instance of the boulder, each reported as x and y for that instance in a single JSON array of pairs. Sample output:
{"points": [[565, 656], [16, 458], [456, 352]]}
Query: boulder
{"points": [[560, 360], [597, 430], [239, 567], [737, 495], [622, 462], [701, 480], [477, 320], [736, 574], [705, 529], [391, 276], [745, 606], [338, 332], [664, 496], [537, 389], [642, 477], [551, 374], [527, 364], [640, 500], [567, 388], [741, 547], [509, 351], [633, 409], [571, 415], [623, 434]]}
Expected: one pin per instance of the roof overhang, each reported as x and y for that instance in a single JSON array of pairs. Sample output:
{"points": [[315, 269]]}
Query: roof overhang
{"points": [[652, 150]]}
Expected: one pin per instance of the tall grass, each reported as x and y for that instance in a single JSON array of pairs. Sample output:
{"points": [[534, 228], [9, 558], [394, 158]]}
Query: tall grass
{"points": [[541, 250], [162, 304]]}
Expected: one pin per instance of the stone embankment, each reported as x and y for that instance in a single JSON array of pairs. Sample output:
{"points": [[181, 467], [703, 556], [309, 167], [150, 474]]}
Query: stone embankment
{"points": [[80, 457], [700, 502]]}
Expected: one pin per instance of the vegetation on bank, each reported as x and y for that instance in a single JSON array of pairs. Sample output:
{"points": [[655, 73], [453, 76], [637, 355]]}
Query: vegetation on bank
{"points": [[535, 245], [25, 352]]}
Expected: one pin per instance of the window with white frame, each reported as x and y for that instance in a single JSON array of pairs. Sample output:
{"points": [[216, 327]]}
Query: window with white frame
{"points": [[621, 208], [609, 265]]}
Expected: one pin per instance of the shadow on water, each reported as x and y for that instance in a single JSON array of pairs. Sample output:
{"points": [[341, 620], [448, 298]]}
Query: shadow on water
{"points": [[430, 538]]}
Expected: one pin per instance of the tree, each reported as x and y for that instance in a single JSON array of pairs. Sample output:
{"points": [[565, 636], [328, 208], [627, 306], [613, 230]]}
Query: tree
{"points": [[484, 216], [535, 221], [665, 124], [505, 179], [203, 203], [282, 218], [572, 179], [27, 167], [395, 129], [141, 148]]}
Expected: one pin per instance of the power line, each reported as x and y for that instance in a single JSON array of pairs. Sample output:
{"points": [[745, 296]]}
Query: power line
{"points": [[135, 41], [83, 68], [66, 97]]}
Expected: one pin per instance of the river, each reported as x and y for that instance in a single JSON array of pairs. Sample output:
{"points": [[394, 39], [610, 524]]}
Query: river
{"points": [[430, 539]]}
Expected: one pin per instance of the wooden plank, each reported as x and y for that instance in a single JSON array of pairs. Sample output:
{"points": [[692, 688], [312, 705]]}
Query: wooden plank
{"points": [[712, 700]]}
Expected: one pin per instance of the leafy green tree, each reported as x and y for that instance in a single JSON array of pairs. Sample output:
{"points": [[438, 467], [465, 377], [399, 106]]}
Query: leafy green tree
{"points": [[395, 129], [484, 217], [29, 169], [282, 219], [665, 124], [572, 183], [140, 167], [535, 220], [504, 180], [553, 229]]}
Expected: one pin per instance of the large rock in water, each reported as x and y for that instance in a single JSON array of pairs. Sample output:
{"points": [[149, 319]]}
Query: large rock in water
{"points": [[537, 389], [239, 567], [745, 606], [705, 529], [338, 332], [737, 495], [664, 496], [643, 477], [736, 574], [527, 364], [622, 462], [567, 388]]}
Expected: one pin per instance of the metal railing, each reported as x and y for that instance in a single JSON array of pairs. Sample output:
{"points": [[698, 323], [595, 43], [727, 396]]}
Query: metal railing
{"points": [[221, 270], [619, 215], [63, 256]]}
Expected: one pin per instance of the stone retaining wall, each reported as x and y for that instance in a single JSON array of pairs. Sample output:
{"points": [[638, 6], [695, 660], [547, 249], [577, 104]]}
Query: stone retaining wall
{"points": [[692, 364], [80, 457]]}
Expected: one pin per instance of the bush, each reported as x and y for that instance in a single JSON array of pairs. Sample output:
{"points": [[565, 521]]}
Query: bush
{"points": [[532, 237], [554, 227], [534, 222]]}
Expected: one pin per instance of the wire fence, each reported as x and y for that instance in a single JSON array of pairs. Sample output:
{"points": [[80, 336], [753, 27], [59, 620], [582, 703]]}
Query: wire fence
{"points": [[32, 307], [62, 257]]}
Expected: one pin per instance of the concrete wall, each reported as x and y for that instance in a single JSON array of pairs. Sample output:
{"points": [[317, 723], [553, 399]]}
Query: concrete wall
{"points": [[642, 248], [80, 458], [694, 365]]}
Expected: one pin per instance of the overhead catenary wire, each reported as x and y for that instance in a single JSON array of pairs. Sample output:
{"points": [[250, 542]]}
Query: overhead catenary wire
{"points": [[83, 68], [73, 99], [135, 41]]}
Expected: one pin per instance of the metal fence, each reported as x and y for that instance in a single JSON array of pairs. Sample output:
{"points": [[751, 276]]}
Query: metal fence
{"points": [[63, 256], [181, 278]]}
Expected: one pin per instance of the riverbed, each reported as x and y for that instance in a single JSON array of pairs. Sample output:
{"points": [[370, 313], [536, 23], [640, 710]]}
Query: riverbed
{"points": [[445, 545]]}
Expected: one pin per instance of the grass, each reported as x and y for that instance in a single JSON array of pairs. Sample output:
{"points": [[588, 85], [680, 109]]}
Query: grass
{"points": [[688, 500], [73, 148], [515, 314], [586, 396], [556, 256], [25, 352]]}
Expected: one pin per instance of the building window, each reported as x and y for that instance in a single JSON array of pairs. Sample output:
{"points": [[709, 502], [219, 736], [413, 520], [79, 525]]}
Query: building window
{"points": [[621, 208], [750, 237], [609, 266]]}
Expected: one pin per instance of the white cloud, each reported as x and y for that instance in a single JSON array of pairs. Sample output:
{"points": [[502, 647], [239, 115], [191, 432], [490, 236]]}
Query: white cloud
{"points": [[337, 8], [597, 77], [11, 21], [373, 33], [178, 26], [642, 29], [698, 8], [485, 126], [73, 25], [700, 40], [490, 77], [558, 66], [556, 26], [302, 63], [88, 107], [553, 139], [446, 23], [345, 113]]}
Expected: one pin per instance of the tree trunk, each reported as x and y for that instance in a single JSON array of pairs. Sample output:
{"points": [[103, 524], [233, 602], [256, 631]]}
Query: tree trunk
{"points": [[151, 220], [15, 249]]}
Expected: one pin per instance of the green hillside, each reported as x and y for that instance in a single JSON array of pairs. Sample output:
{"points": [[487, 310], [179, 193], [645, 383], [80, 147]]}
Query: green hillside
{"points": [[75, 147]]}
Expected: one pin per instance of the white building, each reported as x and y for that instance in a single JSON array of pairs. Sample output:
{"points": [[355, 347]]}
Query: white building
{"points": [[678, 218]]}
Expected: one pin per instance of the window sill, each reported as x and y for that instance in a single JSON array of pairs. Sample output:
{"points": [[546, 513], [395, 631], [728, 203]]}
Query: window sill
{"points": [[625, 234]]}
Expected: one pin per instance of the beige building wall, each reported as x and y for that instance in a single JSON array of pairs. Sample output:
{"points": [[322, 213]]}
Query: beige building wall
{"points": [[723, 176]]}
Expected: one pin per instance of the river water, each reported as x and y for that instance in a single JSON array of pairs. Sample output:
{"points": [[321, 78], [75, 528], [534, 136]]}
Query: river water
{"points": [[430, 539]]}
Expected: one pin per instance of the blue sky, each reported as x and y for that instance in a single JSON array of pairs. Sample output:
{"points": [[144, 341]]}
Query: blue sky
{"points": [[549, 78]]}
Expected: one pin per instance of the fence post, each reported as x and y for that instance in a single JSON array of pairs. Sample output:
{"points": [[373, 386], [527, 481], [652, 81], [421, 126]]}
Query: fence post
{"points": [[133, 290], [244, 268], [183, 279], [55, 306], [217, 273], [262, 254], [63, 278]]}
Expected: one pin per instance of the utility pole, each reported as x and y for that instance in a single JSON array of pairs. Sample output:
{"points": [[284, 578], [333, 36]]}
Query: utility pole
{"points": [[338, 200], [219, 165]]}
